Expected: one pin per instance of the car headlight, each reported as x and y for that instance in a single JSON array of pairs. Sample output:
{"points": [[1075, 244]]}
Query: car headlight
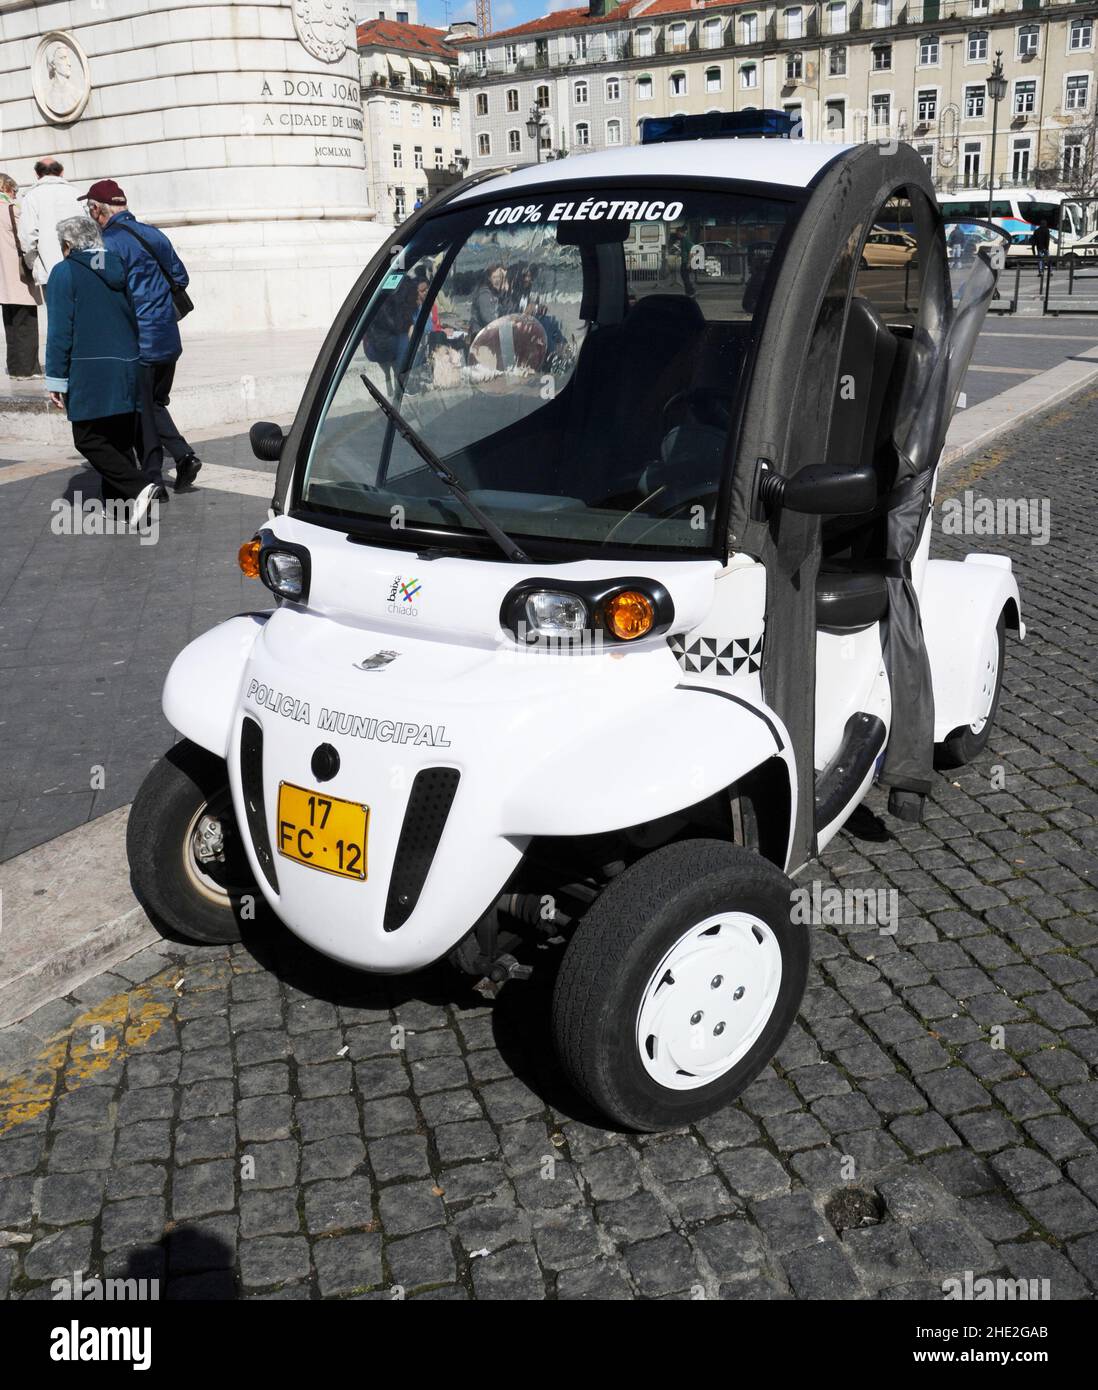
{"points": [[588, 611], [285, 570], [554, 613]]}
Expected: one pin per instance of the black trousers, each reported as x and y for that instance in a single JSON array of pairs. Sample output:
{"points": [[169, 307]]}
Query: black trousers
{"points": [[21, 332], [157, 428], [108, 445]]}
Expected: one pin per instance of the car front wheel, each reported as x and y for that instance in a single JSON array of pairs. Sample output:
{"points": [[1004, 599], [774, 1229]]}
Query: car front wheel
{"points": [[680, 984]]}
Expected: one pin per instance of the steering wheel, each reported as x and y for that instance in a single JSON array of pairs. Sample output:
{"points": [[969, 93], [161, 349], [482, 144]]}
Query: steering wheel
{"points": [[710, 407]]}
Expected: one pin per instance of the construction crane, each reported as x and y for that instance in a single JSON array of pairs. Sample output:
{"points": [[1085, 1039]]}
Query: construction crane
{"points": [[484, 18]]}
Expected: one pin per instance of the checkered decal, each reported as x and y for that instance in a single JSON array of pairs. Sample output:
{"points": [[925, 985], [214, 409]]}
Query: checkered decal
{"points": [[740, 657]]}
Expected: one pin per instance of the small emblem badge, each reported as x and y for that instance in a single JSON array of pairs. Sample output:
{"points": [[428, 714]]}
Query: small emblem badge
{"points": [[377, 662]]}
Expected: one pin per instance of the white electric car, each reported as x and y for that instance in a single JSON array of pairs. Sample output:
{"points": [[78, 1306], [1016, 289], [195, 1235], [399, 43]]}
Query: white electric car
{"points": [[604, 597]]}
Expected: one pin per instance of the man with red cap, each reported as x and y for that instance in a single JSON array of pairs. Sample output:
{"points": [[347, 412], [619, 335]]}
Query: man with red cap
{"points": [[153, 272]]}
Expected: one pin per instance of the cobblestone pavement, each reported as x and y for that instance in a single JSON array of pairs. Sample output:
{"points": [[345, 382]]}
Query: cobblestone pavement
{"points": [[254, 1121]]}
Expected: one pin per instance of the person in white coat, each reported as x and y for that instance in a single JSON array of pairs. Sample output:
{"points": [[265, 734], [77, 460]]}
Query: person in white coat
{"points": [[51, 200]]}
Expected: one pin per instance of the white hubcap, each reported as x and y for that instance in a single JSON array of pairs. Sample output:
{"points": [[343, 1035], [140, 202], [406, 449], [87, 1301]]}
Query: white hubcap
{"points": [[989, 677], [708, 1000]]}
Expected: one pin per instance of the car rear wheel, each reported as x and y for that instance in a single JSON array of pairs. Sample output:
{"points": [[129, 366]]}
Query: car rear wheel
{"points": [[680, 984], [968, 742], [187, 862]]}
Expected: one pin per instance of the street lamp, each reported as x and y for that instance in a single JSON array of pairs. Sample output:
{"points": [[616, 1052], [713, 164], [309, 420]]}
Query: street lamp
{"points": [[535, 123], [996, 90]]}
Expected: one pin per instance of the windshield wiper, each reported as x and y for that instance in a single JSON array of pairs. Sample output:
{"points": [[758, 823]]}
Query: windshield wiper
{"points": [[438, 468]]}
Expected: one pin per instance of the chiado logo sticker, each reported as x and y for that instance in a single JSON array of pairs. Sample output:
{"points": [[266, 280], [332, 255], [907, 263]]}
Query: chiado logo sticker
{"points": [[402, 594]]}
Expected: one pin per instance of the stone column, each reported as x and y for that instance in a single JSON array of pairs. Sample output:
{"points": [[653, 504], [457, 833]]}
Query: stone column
{"points": [[235, 125]]}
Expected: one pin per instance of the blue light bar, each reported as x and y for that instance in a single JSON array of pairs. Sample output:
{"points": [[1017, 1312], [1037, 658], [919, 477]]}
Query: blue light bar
{"points": [[719, 125]]}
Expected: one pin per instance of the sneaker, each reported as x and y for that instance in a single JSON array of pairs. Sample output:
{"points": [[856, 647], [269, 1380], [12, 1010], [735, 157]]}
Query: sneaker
{"points": [[144, 500], [186, 470]]}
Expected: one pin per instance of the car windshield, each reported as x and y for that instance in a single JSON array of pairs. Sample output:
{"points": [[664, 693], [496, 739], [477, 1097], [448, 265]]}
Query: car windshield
{"points": [[576, 359]]}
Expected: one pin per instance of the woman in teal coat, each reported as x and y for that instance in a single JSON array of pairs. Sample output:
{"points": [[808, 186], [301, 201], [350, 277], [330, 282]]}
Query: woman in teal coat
{"points": [[93, 361]]}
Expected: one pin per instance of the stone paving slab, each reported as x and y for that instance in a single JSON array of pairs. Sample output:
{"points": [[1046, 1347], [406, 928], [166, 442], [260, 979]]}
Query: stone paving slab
{"points": [[256, 1122]]}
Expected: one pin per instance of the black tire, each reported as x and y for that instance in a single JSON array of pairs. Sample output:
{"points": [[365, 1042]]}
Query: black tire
{"points": [[167, 877], [963, 745], [620, 943]]}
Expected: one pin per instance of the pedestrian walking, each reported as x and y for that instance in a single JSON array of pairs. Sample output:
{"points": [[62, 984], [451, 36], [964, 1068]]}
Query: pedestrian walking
{"points": [[43, 205], [93, 362], [155, 275], [1042, 238], [19, 295]]}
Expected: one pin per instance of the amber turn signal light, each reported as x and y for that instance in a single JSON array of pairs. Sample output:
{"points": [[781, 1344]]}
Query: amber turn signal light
{"points": [[247, 557], [629, 614]]}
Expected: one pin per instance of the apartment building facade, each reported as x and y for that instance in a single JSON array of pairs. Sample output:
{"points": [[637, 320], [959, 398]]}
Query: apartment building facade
{"points": [[849, 70], [412, 119]]}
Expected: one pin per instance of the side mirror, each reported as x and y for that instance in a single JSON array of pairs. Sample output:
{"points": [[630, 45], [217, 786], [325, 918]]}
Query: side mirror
{"points": [[266, 440], [821, 490]]}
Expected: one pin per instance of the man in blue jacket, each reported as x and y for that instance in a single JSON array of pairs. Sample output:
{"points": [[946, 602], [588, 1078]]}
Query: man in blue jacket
{"points": [[149, 259], [93, 362]]}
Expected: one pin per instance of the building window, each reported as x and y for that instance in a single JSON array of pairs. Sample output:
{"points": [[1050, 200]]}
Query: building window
{"points": [[579, 93], [644, 89], [399, 204], [583, 133], [613, 132], [644, 43], [417, 113], [881, 106], [794, 67], [749, 29], [398, 157], [836, 62], [436, 118], [974, 102], [796, 117], [402, 16], [676, 36], [836, 118], [929, 51], [1025, 97], [882, 14], [484, 143], [438, 158], [613, 89], [417, 156], [541, 100], [981, 6], [749, 75], [581, 46], [510, 53], [394, 113], [836, 17], [512, 99], [711, 30], [514, 142], [713, 79], [970, 165], [794, 23], [1019, 161], [482, 103], [927, 106], [455, 119], [882, 57], [926, 154], [1081, 35], [678, 84], [1029, 38], [480, 58], [1072, 157], [977, 46], [1077, 93]]}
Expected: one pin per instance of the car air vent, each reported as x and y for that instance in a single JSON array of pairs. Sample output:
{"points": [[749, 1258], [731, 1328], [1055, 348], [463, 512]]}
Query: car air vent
{"points": [[429, 804], [251, 779]]}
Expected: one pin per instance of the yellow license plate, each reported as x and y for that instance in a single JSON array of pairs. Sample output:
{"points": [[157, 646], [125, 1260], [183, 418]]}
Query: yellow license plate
{"points": [[321, 831]]}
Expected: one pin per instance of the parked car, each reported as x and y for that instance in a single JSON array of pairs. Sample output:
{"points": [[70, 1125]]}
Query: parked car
{"points": [[884, 247], [543, 667]]}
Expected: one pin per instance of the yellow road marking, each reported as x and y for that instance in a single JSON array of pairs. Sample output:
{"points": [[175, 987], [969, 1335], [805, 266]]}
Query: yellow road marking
{"points": [[102, 1035]]}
